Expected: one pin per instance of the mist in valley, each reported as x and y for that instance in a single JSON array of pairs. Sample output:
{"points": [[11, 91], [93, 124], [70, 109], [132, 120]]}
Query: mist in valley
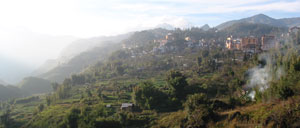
{"points": [[131, 63]]}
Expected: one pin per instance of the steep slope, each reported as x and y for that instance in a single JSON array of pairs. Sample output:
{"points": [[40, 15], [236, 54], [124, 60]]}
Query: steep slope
{"points": [[141, 38], [79, 62], [47, 66], [249, 29], [75, 48], [33, 85], [256, 19], [291, 22], [83, 45], [99, 53]]}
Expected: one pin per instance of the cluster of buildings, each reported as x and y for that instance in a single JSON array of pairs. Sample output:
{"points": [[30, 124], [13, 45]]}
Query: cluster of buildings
{"points": [[294, 30], [257, 44], [165, 45], [169, 37], [252, 44], [249, 44]]}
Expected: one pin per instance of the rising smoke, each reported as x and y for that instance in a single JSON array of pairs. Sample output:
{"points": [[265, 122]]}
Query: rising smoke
{"points": [[268, 69]]}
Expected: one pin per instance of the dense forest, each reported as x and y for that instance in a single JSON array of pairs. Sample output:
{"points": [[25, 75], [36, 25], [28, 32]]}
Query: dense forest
{"points": [[184, 86]]}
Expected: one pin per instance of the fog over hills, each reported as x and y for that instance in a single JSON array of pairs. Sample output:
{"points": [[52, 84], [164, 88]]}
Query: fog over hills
{"points": [[33, 85], [69, 48], [2, 82], [12, 70], [22, 51], [149, 63]]}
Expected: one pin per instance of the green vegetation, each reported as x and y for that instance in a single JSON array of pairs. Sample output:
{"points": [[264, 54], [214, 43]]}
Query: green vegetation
{"points": [[186, 87]]}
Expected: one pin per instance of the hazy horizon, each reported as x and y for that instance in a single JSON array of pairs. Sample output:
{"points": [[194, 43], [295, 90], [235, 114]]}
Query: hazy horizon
{"points": [[34, 31]]}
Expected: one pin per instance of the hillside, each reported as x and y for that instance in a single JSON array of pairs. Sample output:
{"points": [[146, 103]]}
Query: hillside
{"points": [[262, 19], [291, 22], [79, 62], [183, 87], [10, 92], [33, 85], [76, 48], [257, 30], [161, 79]]}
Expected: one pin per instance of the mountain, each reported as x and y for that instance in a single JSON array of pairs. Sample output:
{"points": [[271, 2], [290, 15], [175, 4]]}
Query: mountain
{"points": [[2, 82], [79, 46], [262, 19], [8, 92], [98, 50], [79, 62], [34, 85], [249, 29], [205, 27], [291, 22], [22, 50], [47, 66], [165, 26], [76, 48]]}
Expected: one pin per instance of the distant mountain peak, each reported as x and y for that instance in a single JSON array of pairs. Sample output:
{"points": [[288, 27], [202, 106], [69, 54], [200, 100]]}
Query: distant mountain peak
{"points": [[256, 19], [260, 15], [205, 27], [165, 26]]}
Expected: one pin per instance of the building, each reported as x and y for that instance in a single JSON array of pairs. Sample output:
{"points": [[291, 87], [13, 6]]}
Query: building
{"points": [[163, 42], [294, 30], [170, 36], [127, 106], [187, 39], [250, 44], [268, 42], [203, 43], [238, 44], [233, 44]]}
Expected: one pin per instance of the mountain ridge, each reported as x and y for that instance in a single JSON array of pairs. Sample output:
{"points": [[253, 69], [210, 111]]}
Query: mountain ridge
{"points": [[263, 19]]}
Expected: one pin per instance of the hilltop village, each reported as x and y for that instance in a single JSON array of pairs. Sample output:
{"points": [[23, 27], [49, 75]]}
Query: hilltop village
{"points": [[158, 78], [247, 44]]}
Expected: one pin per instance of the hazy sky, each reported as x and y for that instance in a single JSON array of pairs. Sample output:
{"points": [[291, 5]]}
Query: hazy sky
{"points": [[88, 18]]}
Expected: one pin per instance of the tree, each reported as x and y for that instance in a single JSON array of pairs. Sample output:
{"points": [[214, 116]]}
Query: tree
{"points": [[193, 101], [78, 79], [88, 92], [199, 61], [178, 83], [54, 85], [40, 107], [5, 119], [148, 97], [72, 118], [285, 92], [199, 111], [99, 93], [48, 100], [67, 81]]}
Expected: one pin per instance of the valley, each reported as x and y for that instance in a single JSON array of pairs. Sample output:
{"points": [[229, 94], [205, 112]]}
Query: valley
{"points": [[242, 73]]}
